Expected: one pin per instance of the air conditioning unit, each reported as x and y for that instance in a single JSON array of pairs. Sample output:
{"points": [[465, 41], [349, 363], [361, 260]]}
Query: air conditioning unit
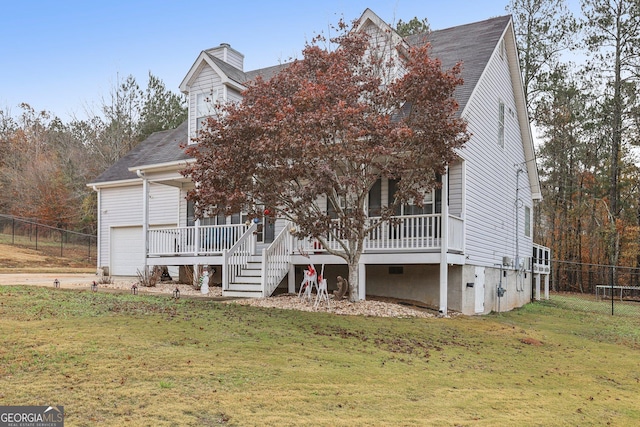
{"points": [[507, 261]]}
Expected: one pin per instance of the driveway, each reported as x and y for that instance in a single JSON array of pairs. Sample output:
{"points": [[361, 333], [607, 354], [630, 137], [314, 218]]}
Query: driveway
{"points": [[67, 280]]}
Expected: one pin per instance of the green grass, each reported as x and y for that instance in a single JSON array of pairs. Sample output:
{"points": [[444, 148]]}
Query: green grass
{"points": [[145, 360]]}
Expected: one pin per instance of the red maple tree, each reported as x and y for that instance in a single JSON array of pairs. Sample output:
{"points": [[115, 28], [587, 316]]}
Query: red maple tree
{"points": [[327, 127]]}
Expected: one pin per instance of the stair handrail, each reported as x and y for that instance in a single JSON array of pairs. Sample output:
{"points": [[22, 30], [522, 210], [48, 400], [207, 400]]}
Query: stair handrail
{"points": [[237, 256], [275, 261]]}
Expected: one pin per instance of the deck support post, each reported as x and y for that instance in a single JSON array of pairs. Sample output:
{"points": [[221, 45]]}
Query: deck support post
{"points": [[291, 279], [362, 281], [546, 286]]}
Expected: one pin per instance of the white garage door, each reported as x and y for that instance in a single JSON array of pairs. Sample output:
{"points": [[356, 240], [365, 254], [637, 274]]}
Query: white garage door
{"points": [[127, 251]]}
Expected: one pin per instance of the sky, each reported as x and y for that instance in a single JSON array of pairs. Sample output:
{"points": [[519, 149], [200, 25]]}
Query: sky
{"points": [[65, 56]]}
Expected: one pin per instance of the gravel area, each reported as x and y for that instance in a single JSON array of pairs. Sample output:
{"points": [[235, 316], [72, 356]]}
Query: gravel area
{"points": [[382, 307], [371, 307]]}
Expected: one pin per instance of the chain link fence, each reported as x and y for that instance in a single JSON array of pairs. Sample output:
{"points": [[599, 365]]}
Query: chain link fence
{"points": [[52, 241], [596, 288]]}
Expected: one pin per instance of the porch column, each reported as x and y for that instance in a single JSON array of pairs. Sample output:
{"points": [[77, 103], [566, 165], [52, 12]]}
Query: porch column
{"points": [[444, 244], [362, 281], [291, 279], [145, 215], [537, 279]]}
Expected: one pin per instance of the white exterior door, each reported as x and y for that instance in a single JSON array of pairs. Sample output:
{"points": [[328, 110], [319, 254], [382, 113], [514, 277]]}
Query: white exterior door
{"points": [[479, 288], [127, 251]]}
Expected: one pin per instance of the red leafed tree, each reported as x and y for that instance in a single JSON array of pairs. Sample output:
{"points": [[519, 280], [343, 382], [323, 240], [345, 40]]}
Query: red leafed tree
{"points": [[326, 128]]}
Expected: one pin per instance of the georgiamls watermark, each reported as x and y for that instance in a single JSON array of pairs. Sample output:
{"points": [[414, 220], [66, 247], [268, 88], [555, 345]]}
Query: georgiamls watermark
{"points": [[31, 416]]}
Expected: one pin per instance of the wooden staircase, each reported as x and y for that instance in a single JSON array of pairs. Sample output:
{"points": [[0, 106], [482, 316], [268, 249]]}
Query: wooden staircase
{"points": [[250, 270], [248, 283]]}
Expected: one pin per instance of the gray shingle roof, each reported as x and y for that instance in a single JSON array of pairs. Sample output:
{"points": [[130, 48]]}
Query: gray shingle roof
{"points": [[158, 148], [472, 44], [232, 72], [265, 73]]}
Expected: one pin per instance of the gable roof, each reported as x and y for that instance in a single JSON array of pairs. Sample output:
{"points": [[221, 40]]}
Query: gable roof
{"points": [[472, 44], [230, 75]]}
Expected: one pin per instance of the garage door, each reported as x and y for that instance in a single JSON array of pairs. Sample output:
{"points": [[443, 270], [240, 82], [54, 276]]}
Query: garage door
{"points": [[127, 251]]}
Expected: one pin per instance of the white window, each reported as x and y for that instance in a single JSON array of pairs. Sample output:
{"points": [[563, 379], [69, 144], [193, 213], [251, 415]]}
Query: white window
{"points": [[382, 194], [501, 124], [527, 221], [205, 106]]}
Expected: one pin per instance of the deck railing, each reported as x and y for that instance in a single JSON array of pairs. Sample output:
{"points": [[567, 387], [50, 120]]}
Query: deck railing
{"points": [[275, 261], [236, 259], [202, 240], [406, 233], [541, 259], [456, 233]]}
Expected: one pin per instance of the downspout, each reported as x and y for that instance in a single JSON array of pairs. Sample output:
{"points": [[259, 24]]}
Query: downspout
{"points": [[99, 227], [518, 202], [145, 215], [444, 243], [517, 208]]}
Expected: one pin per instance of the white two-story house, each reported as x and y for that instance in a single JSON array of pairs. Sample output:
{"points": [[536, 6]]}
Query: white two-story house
{"points": [[469, 248]]}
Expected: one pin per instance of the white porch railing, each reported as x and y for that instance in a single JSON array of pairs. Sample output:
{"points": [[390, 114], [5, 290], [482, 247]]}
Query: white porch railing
{"points": [[275, 261], [410, 233], [236, 259], [406, 233], [541, 259], [202, 240]]}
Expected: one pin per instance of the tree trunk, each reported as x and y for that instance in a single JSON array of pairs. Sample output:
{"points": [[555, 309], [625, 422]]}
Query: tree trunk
{"points": [[354, 280]]}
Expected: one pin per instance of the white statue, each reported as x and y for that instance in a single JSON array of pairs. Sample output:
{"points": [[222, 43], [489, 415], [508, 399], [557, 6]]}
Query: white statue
{"points": [[204, 282]]}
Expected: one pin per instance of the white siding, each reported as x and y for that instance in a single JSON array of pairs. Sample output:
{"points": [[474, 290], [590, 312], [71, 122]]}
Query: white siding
{"points": [[163, 204], [122, 207], [491, 171], [233, 95], [228, 55], [206, 81], [279, 226], [456, 188], [182, 209], [384, 46]]}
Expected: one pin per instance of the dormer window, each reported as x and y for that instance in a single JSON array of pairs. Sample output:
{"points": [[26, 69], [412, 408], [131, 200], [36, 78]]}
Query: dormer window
{"points": [[205, 106]]}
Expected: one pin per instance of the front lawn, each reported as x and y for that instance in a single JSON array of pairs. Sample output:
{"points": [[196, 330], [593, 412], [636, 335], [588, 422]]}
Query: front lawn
{"points": [[147, 360]]}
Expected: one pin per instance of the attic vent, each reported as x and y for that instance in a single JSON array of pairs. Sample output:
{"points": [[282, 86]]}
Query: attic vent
{"points": [[396, 269]]}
